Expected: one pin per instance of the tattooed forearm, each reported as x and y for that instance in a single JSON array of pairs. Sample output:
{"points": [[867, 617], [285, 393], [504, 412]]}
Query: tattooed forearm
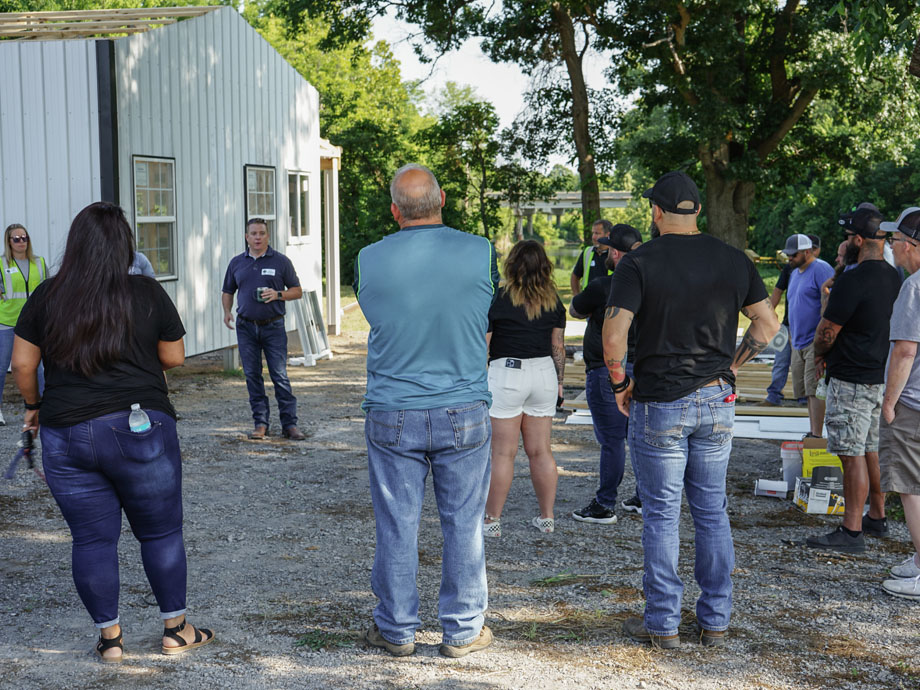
{"points": [[559, 360], [617, 368], [749, 348], [825, 339], [613, 312]]}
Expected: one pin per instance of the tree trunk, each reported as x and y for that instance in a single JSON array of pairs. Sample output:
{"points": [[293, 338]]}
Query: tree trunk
{"points": [[590, 192], [728, 205]]}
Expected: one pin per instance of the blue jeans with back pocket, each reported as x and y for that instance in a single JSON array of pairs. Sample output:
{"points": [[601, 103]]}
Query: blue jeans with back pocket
{"points": [[680, 446], [403, 446], [96, 469]]}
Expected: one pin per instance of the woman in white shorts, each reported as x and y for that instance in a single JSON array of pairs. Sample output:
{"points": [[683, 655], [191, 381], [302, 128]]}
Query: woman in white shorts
{"points": [[526, 362]]}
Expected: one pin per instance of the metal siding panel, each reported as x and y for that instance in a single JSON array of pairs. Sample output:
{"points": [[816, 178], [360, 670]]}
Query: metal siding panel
{"points": [[78, 125], [34, 141], [57, 161], [12, 136]]}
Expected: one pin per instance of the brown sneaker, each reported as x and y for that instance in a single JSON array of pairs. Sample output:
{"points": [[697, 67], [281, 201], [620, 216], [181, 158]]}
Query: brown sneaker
{"points": [[293, 433], [258, 433], [455, 651], [375, 639], [635, 630], [710, 638]]}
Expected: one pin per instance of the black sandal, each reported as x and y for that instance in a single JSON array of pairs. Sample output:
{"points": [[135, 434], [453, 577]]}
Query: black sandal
{"points": [[185, 646], [105, 644]]}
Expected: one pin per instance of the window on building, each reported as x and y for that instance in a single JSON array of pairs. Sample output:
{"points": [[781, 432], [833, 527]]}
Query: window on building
{"points": [[299, 203], [260, 197], [155, 212]]}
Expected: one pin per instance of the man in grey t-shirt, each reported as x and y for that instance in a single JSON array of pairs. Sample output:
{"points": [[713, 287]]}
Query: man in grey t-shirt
{"points": [[899, 453]]}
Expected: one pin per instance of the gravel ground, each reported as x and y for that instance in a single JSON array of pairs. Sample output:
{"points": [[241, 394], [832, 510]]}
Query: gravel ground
{"points": [[280, 540]]}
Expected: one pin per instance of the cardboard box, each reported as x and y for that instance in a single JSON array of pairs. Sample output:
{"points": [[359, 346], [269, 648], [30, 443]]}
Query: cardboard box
{"points": [[822, 493], [770, 487], [814, 454]]}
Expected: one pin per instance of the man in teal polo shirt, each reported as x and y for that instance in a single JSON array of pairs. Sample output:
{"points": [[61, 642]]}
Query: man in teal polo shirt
{"points": [[426, 292]]}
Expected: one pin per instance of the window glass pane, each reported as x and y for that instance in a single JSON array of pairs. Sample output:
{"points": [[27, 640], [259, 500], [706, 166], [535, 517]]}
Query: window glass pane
{"points": [[140, 202], [304, 208], [155, 241], [293, 207]]}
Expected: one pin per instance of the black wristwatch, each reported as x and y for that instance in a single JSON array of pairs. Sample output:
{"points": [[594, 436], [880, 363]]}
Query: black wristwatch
{"points": [[280, 296]]}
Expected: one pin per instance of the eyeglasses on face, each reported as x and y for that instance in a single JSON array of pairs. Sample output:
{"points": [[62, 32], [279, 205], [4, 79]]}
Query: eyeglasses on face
{"points": [[19, 238], [892, 240]]}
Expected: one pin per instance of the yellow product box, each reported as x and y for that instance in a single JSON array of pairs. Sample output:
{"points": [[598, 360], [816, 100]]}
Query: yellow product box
{"points": [[821, 494], [814, 454]]}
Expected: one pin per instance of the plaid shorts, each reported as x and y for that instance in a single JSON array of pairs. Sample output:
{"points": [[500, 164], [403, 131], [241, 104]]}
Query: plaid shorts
{"points": [[852, 417]]}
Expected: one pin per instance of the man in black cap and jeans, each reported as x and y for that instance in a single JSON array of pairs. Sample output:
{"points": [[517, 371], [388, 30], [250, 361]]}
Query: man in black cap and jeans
{"points": [[851, 342], [684, 291], [609, 423]]}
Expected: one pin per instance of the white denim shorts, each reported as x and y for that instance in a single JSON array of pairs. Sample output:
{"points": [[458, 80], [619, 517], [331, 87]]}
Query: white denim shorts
{"points": [[528, 386]]}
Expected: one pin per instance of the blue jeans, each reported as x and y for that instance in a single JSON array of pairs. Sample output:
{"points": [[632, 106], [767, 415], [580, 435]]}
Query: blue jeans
{"points": [[453, 443], [98, 468], [610, 429], [271, 339], [780, 373], [6, 354], [678, 445]]}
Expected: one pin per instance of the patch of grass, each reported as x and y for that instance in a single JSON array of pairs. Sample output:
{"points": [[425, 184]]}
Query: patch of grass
{"points": [[562, 579], [564, 623], [230, 374], [893, 508], [322, 639]]}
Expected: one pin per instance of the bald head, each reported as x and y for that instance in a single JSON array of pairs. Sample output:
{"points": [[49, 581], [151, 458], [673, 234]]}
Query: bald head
{"points": [[416, 196]]}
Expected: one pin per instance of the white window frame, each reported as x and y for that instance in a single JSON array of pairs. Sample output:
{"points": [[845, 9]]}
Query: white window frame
{"points": [[298, 216], [158, 220], [271, 218]]}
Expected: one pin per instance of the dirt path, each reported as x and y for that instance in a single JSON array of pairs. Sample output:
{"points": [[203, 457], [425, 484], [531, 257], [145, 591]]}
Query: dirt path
{"points": [[280, 540]]}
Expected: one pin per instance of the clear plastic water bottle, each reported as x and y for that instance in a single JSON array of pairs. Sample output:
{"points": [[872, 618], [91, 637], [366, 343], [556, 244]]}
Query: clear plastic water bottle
{"points": [[821, 393], [138, 421]]}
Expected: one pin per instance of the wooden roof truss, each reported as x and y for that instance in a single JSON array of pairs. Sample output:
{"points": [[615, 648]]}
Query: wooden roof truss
{"points": [[47, 26]]}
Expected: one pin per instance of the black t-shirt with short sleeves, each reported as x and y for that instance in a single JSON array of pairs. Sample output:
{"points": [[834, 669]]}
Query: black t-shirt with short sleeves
{"points": [[593, 302], [514, 335], [783, 284], [597, 267], [686, 292], [137, 376], [861, 303]]}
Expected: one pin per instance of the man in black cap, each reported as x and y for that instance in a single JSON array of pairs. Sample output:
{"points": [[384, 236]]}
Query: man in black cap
{"points": [[684, 290], [609, 423], [851, 343]]}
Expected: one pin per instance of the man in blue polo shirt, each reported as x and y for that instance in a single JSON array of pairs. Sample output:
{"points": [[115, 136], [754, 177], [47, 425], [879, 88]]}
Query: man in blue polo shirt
{"points": [[265, 279], [427, 405]]}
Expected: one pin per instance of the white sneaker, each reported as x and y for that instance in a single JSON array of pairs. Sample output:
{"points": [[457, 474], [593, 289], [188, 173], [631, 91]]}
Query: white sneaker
{"points": [[907, 569], [904, 588], [545, 525], [492, 529], [2, 420]]}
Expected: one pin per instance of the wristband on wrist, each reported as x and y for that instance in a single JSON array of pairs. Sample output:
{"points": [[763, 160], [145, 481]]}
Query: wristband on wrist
{"points": [[621, 386], [280, 296], [33, 406]]}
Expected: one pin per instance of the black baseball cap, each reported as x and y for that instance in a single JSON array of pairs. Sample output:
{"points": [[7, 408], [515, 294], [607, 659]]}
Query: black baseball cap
{"points": [[622, 237], [671, 189], [864, 222]]}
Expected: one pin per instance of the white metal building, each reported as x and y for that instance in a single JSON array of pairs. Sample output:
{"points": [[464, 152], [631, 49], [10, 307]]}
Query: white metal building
{"points": [[192, 125]]}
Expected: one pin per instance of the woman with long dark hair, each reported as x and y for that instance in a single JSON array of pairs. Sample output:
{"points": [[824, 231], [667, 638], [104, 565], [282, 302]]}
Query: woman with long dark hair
{"points": [[23, 271], [106, 337], [526, 363]]}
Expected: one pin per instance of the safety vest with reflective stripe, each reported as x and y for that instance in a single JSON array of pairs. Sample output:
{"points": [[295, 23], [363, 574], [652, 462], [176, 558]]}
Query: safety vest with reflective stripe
{"points": [[15, 290], [586, 265]]}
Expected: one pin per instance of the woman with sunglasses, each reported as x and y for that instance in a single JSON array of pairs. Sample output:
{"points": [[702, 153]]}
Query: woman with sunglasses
{"points": [[107, 337], [22, 272]]}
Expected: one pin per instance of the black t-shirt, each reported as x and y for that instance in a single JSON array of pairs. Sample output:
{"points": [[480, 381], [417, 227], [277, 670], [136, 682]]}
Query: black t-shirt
{"points": [[514, 335], [783, 284], [861, 303], [596, 269], [137, 377], [686, 292], [593, 302]]}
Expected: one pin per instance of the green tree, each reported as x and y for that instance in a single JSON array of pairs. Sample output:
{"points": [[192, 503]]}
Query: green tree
{"points": [[540, 36], [731, 80]]}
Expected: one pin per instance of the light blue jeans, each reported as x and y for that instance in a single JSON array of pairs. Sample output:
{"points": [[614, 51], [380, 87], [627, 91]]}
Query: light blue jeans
{"points": [[453, 443], [680, 445], [781, 361], [6, 354]]}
